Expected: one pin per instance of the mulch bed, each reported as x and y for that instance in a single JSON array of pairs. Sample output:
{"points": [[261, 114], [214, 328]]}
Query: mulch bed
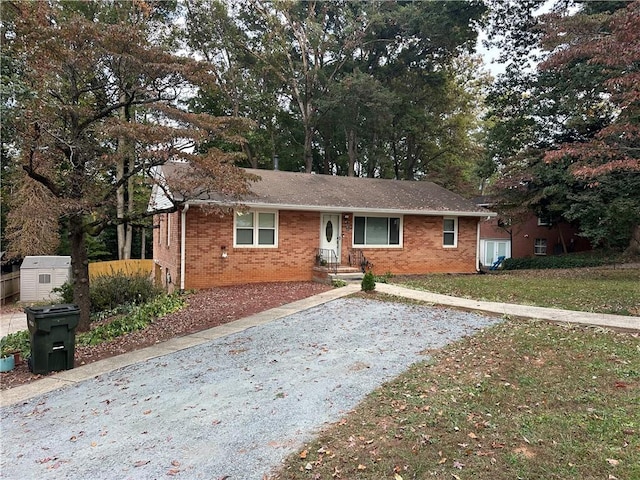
{"points": [[206, 309]]}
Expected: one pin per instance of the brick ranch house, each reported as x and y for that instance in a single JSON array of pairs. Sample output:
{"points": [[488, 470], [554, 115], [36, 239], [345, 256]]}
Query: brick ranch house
{"points": [[295, 226]]}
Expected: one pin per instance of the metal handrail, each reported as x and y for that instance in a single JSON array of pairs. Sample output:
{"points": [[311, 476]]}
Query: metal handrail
{"points": [[357, 259], [326, 257]]}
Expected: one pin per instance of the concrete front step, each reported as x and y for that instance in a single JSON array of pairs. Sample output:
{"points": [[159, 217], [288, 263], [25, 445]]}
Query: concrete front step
{"points": [[347, 276], [346, 273]]}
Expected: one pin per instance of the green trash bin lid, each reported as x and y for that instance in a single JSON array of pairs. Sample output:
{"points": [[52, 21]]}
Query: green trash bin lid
{"points": [[44, 317]]}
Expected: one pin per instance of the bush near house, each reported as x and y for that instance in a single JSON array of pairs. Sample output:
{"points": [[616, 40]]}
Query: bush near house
{"points": [[571, 260], [368, 282], [110, 291]]}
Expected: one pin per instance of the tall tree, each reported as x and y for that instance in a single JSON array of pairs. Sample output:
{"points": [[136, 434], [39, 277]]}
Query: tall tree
{"points": [[411, 47], [604, 42], [360, 108], [567, 132], [68, 127], [305, 45]]}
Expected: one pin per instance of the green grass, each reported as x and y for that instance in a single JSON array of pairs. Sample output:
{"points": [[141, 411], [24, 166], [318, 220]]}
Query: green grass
{"points": [[600, 290], [525, 400]]}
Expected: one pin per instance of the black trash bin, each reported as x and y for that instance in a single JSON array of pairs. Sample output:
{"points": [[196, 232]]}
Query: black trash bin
{"points": [[52, 332]]}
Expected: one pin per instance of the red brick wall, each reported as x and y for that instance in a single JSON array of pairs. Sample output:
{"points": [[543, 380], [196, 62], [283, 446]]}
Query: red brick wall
{"points": [[526, 232], [298, 240], [423, 252], [166, 254], [292, 260]]}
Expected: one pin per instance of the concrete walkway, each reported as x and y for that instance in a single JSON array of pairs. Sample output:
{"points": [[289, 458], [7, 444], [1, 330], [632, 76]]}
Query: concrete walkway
{"points": [[11, 322], [79, 374], [525, 311]]}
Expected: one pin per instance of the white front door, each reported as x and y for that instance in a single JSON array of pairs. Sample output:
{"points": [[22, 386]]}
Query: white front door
{"points": [[330, 237]]}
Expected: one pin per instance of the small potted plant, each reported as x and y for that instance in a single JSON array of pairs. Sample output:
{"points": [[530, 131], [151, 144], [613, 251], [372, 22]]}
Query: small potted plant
{"points": [[7, 356]]}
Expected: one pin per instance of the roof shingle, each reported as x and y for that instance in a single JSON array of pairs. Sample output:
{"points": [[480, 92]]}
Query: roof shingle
{"points": [[304, 191]]}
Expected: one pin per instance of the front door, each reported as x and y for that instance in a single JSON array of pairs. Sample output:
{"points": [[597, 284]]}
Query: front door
{"points": [[330, 237]]}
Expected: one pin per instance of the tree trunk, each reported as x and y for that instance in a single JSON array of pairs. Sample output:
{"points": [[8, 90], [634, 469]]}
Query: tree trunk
{"points": [[410, 159], [562, 241], [128, 237], [253, 160], [124, 194], [308, 152], [634, 242], [143, 243], [80, 270], [352, 149]]}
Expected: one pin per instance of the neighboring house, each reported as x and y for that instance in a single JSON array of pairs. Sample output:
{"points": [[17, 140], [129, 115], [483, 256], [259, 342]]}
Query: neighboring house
{"points": [[294, 224], [532, 236], [39, 275]]}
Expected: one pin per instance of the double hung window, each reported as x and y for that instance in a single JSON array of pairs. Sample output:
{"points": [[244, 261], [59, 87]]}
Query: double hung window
{"points": [[256, 229], [450, 232], [540, 246]]}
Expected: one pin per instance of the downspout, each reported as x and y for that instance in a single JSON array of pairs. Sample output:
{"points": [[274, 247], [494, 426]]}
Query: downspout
{"points": [[478, 245], [183, 236]]}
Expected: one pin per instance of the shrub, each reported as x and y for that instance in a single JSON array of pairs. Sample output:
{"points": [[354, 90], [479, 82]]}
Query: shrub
{"points": [[384, 278], [571, 260], [108, 292], [65, 292], [368, 282], [16, 342], [139, 318]]}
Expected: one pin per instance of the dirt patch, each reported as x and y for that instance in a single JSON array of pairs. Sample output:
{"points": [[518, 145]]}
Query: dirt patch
{"points": [[206, 309]]}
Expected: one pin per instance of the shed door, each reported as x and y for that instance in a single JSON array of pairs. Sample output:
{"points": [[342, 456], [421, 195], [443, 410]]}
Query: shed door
{"points": [[330, 236]]}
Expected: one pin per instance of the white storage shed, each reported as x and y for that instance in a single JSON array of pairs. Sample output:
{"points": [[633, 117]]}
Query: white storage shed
{"points": [[39, 275]]}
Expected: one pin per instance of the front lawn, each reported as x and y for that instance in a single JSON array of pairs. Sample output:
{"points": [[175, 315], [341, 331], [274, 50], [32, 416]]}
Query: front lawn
{"points": [[601, 290], [522, 399]]}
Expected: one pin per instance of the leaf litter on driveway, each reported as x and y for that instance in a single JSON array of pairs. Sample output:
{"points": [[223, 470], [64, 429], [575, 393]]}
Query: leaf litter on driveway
{"points": [[235, 406]]}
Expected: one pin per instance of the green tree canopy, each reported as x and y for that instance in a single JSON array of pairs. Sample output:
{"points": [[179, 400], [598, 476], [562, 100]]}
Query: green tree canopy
{"points": [[80, 72]]}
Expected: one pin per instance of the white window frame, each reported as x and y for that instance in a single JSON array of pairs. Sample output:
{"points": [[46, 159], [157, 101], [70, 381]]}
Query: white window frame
{"points": [[544, 221], [454, 231], [538, 245], [256, 229], [378, 245], [44, 278]]}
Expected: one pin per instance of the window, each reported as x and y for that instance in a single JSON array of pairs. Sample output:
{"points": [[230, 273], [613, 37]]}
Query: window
{"points": [[44, 278], [540, 246], [256, 229], [450, 232], [544, 221], [376, 231]]}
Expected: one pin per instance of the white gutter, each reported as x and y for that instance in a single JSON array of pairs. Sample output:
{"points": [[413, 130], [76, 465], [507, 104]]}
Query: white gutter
{"points": [[355, 210], [183, 236]]}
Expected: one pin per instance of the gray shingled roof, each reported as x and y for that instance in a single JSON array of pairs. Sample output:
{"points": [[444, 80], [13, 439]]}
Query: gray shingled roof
{"points": [[304, 191]]}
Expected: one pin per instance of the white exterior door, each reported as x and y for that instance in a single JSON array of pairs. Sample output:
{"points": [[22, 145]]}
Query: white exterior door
{"points": [[330, 236], [492, 249]]}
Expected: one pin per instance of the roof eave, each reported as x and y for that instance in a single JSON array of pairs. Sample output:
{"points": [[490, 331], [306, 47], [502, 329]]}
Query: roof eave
{"points": [[341, 209]]}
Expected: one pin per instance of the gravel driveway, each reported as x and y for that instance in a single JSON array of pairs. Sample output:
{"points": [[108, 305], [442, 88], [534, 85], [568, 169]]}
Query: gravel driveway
{"points": [[231, 408]]}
